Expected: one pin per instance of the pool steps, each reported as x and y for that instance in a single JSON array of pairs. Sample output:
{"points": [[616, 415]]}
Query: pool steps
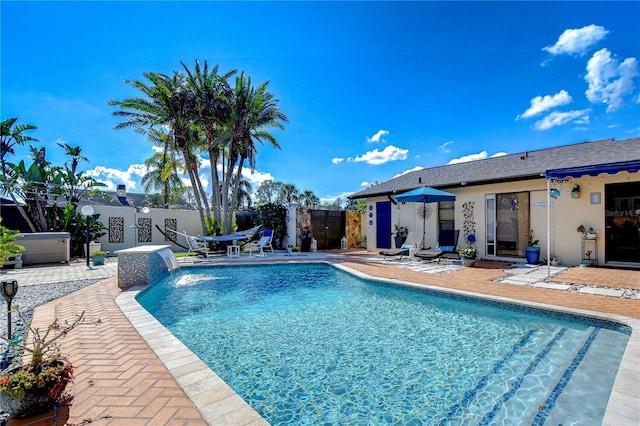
{"points": [[486, 412]]}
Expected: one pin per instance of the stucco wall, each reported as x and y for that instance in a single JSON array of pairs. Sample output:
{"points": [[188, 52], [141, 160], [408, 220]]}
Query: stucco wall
{"points": [[122, 236], [565, 215]]}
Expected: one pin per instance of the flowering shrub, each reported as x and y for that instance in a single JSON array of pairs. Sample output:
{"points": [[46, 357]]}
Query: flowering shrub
{"points": [[531, 238]]}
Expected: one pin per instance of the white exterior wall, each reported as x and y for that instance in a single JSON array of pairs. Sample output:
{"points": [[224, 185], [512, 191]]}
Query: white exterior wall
{"points": [[187, 220]]}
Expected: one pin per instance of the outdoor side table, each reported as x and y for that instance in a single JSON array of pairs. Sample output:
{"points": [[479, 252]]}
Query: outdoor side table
{"points": [[233, 251]]}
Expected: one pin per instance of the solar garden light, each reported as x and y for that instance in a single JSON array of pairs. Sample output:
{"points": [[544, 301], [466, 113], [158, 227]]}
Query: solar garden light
{"points": [[86, 212], [9, 289]]}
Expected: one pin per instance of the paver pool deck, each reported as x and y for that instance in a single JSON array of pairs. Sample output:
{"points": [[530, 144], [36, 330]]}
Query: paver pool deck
{"points": [[120, 380]]}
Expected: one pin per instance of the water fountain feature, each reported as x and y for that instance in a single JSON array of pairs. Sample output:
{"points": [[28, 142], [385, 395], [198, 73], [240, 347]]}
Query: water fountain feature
{"points": [[144, 265]]}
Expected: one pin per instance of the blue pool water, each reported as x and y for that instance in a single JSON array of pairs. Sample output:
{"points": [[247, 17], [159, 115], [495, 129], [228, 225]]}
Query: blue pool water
{"points": [[311, 344]]}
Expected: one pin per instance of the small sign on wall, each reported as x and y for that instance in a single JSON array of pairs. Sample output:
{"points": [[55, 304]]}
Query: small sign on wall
{"points": [[595, 198]]}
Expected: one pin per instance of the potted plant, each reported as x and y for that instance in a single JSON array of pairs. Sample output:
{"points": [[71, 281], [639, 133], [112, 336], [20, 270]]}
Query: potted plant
{"points": [[468, 255], [363, 241], [532, 250], [587, 234], [98, 257], [34, 388], [400, 235]]}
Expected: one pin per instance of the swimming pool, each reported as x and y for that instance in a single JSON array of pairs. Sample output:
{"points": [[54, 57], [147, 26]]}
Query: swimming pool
{"points": [[309, 343]]}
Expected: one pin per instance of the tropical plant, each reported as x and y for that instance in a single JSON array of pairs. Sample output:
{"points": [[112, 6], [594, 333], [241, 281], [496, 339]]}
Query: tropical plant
{"points": [[289, 194], [167, 102], [274, 216], [252, 111], [12, 134], [8, 247], [309, 199], [161, 176]]}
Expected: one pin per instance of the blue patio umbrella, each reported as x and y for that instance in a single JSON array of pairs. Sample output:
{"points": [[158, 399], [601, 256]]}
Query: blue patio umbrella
{"points": [[425, 195]]}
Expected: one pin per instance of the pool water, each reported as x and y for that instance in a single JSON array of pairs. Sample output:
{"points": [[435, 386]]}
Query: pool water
{"points": [[311, 344]]}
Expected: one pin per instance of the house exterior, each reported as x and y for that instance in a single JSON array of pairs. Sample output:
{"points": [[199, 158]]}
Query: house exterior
{"points": [[499, 200]]}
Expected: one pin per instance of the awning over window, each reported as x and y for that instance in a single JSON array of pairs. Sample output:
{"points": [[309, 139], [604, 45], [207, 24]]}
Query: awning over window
{"points": [[595, 170]]}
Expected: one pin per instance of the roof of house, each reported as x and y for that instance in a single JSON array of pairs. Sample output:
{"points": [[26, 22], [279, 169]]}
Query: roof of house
{"points": [[131, 200], [513, 167]]}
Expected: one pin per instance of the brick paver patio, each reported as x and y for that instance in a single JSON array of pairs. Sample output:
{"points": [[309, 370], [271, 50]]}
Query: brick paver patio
{"points": [[120, 380]]}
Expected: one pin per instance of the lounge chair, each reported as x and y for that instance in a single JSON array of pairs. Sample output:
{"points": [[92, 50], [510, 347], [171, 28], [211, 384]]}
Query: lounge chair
{"points": [[414, 239], [264, 242], [446, 249]]}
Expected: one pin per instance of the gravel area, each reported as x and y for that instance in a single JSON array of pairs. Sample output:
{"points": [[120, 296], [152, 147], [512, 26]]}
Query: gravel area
{"points": [[28, 298]]}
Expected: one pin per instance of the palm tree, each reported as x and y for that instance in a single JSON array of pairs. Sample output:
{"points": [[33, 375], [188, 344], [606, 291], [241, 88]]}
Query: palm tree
{"points": [[244, 194], [210, 94], [167, 103], [252, 111], [10, 136], [161, 177], [163, 168], [71, 167], [289, 194], [309, 199]]}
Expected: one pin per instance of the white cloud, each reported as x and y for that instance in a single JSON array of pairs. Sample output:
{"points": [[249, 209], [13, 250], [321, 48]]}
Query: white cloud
{"points": [[608, 80], [472, 157], [330, 199], [378, 136], [337, 160], [256, 177], [559, 118], [444, 146], [543, 103], [113, 177], [364, 184], [577, 41], [415, 169], [376, 157]]}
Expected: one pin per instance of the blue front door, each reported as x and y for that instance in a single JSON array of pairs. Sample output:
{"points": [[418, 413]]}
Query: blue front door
{"points": [[383, 224]]}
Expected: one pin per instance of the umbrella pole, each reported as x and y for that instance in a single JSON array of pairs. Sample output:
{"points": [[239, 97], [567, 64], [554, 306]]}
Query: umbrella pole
{"points": [[424, 219]]}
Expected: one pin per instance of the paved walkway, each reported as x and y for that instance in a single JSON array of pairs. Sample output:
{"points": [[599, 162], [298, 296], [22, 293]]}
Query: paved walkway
{"points": [[121, 381]]}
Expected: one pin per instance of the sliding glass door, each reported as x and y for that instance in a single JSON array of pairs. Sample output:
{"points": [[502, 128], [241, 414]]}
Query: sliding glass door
{"points": [[507, 221]]}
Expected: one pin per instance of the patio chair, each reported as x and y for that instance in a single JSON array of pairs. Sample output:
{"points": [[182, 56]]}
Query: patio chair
{"points": [[446, 249], [195, 246], [414, 239], [264, 242]]}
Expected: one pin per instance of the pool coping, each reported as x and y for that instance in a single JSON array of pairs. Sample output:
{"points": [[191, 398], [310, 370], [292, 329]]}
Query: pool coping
{"points": [[219, 404]]}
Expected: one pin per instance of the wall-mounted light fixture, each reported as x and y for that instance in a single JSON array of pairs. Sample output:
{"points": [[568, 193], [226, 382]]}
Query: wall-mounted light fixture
{"points": [[575, 192]]}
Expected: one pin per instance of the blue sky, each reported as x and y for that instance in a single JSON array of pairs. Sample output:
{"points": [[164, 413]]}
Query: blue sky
{"points": [[371, 89]]}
